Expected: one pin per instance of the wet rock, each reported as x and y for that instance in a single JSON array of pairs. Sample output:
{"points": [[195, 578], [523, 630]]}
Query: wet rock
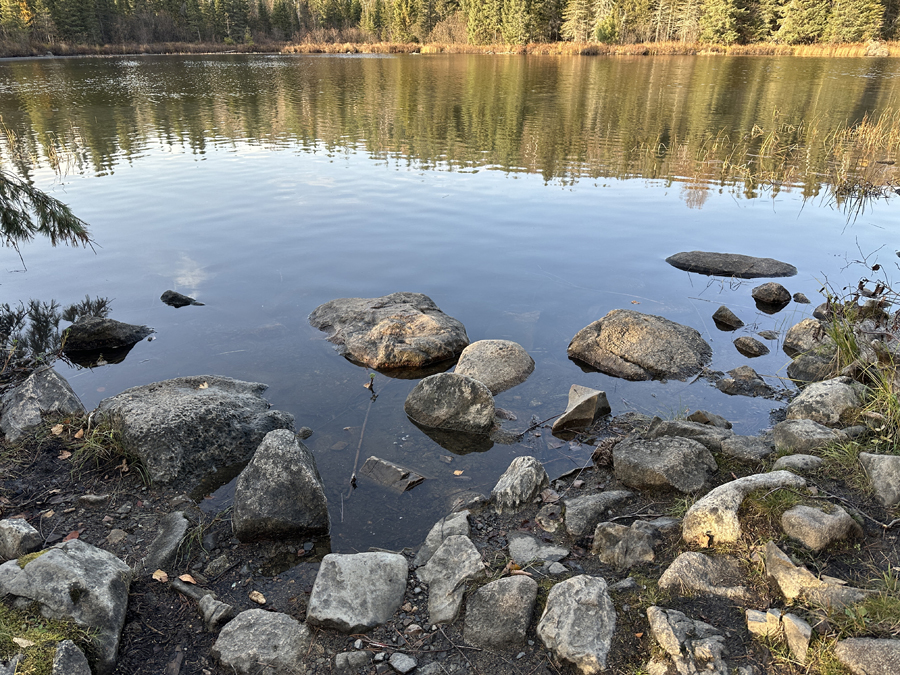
{"points": [[750, 347], [798, 582], [455, 562], [175, 299], [725, 319], [498, 364], [91, 333], [571, 605], [459, 442], [214, 613], [771, 293], [453, 402], [454, 524], [17, 538], [709, 419], [693, 572], [869, 656], [807, 368], [818, 529], [75, 581], [744, 381], [192, 425], [709, 436], [693, 646], [69, 660], [800, 298], [583, 513], [523, 548], [519, 484], [804, 435], [802, 464], [713, 519], [797, 633], [584, 407], [172, 528], [747, 448], [280, 494], [400, 330], [832, 403], [354, 593], [390, 475], [257, 640], [884, 472], [680, 463], [498, 613], [637, 346], [44, 391], [304, 432], [730, 265], [624, 547], [806, 337], [768, 334]]}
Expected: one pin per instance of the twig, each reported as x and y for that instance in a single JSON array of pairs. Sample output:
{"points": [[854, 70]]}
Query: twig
{"points": [[362, 434], [461, 652], [535, 425]]}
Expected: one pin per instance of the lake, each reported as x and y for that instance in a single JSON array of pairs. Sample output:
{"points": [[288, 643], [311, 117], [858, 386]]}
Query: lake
{"points": [[527, 196]]}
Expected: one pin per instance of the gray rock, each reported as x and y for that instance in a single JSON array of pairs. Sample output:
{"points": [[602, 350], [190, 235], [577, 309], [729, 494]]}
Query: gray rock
{"points": [[725, 319], [803, 436], [797, 633], [832, 402], [747, 448], [802, 464], [709, 436], [771, 293], [260, 641], [523, 548], [637, 346], [498, 364], [400, 330], [623, 547], [454, 563], [693, 572], [798, 582], [709, 419], [555, 568], [280, 493], [17, 538], [304, 432], [730, 265], [453, 402], [818, 529], [402, 663], [807, 368], [750, 347], [693, 646], [190, 426], [868, 656], [583, 513], [172, 528], [350, 663], [884, 473], [498, 613], [69, 660], [744, 381], [455, 523], [91, 333], [808, 337], [572, 606], [768, 334], [584, 407], [800, 298], [354, 593], [680, 463], [519, 484], [79, 582], [176, 299], [44, 391], [214, 613], [392, 476], [10, 667], [713, 519], [764, 624]]}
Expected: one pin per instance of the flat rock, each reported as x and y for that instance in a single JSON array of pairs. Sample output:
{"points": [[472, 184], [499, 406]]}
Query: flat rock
{"points": [[730, 265], [260, 641], [623, 547], [804, 436], [455, 523], [191, 426], [172, 529], [808, 337], [692, 646], [392, 476], [523, 549], [176, 299], [350, 663], [869, 656], [680, 463], [750, 347], [806, 368], [69, 660], [355, 592], [91, 333], [454, 563], [584, 407], [726, 320], [711, 575], [280, 493], [498, 364], [747, 448], [44, 391], [713, 519], [522, 481], [709, 436], [572, 605], [637, 346], [799, 583], [771, 293], [452, 402], [884, 472], [832, 402], [802, 464], [709, 419], [400, 330], [816, 528], [402, 663], [17, 538], [498, 613], [744, 381], [583, 513]]}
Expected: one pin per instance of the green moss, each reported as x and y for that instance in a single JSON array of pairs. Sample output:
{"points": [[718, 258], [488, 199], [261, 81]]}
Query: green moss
{"points": [[28, 557], [28, 626]]}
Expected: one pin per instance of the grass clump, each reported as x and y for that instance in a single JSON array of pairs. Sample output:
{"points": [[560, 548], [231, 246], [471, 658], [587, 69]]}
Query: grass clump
{"points": [[842, 463], [35, 637]]}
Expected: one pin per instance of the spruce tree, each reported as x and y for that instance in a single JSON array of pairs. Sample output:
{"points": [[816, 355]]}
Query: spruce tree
{"points": [[855, 20], [578, 24], [483, 18], [720, 21], [803, 21], [516, 27]]}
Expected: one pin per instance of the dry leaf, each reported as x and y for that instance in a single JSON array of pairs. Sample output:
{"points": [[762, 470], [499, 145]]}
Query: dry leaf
{"points": [[123, 467], [257, 597], [205, 385], [638, 635], [74, 534], [57, 429], [188, 579], [635, 302], [521, 573], [80, 434], [160, 576], [458, 472], [65, 454], [48, 514], [23, 643]]}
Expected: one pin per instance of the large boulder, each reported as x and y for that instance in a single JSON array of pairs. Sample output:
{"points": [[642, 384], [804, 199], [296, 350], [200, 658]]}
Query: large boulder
{"points": [[637, 346], [280, 493], [680, 463], [45, 391], [78, 582], [832, 403], [498, 364], [400, 330], [258, 641], [91, 333], [730, 265], [453, 402], [190, 426], [869, 656]]}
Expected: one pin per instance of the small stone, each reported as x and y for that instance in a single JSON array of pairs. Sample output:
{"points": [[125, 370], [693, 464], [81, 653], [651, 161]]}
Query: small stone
{"points": [[402, 663], [771, 293], [257, 597], [725, 319], [801, 298], [750, 347]]}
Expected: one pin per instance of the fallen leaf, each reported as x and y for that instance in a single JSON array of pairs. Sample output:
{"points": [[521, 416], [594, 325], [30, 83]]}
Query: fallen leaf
{"points": [[123, 467], [57, 429], [23, 643], [257, 597], [48, 514], [639, 635], [74, 534], [458, 472], [521, 573], [80, 434], [188, 579], [160, 576], [65, 454], [205, 385]]}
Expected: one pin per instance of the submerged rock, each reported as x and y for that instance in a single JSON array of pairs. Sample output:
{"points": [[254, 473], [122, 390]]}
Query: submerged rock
{"points": [[175, 299], [452, 402], [730, 265], [744, 381], [498, 364]]}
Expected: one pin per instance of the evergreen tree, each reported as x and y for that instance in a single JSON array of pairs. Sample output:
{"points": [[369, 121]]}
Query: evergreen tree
{"points": [[688, 20], [373, 18], [283, 19], [516, 27], [855, 20], [483, 18], [606, 21], [579, 20], [720, 21], [803, 21], [403, 20]]}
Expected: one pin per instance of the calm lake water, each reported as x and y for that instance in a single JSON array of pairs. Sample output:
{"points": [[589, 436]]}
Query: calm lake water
{"points": [[527, 196]]}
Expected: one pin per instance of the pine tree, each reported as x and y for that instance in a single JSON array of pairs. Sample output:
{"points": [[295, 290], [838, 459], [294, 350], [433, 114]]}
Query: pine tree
{"points": [[282, 19], [403, 20], [579, 20], [606, 21], [855, 20], [803, 21], [516, 27], [483, 18], [373, 18], [720, 21]]}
